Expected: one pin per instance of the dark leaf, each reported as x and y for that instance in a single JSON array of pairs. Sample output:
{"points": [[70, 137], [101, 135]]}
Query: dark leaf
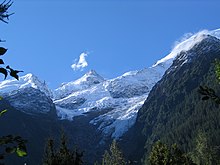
{"points": [[17, 138], [1, 156], [212, 91], [10, 150], [4, 71], [1, 61], [2, 51], [3, 111], [9, 136], [201, 87], [20, 152], [217, 101], [205, 98], [13, 73], [202, 90]]}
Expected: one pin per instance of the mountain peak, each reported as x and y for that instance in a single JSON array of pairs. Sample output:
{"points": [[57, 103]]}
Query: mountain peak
{"points": [[88, 80], [92, 72], [28, 80], [187, 44], [91, 77], [29, 77]]}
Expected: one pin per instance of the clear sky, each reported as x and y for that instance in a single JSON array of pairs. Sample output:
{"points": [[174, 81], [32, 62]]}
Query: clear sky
{"points": [[45, 37]]}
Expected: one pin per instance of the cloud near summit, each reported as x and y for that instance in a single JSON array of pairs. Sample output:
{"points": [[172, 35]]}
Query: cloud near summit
{"points": [[81, 62]]}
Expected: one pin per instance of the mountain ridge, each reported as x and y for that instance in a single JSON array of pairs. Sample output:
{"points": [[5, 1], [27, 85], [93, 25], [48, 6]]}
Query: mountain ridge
{"points": [[134, 108], [124, 95], [174, 111]]}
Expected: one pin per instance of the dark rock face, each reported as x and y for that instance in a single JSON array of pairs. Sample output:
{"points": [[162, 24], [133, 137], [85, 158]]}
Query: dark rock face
{"points": [[174, 111]]}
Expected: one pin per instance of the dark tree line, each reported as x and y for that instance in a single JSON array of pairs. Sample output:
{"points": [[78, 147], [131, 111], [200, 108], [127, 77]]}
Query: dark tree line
{"points": [[61, 155]]}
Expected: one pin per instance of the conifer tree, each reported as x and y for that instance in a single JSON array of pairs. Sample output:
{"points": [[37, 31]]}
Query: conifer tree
{"points": [[63, 155], [204, 153], [161, 154], [114, 156]]}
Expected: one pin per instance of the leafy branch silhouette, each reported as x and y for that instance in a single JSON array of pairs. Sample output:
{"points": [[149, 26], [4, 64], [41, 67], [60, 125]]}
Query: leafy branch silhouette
{"points": [[10, 144]]}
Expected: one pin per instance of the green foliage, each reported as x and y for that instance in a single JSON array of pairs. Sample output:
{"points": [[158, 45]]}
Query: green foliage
{"points": [[217, 69], [161, 154], [3, 112], [13, 144], [114, 156], [62, 155], [204, 153]]}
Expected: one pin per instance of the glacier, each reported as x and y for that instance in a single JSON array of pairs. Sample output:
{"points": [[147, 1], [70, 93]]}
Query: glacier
{"points": [[123, 96]]}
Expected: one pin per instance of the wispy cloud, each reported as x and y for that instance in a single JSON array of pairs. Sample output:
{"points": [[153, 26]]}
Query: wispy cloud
{"points": [[183, 38], [80, 63]]}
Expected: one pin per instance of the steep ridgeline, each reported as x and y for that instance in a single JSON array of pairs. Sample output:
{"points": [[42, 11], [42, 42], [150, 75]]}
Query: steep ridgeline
{"points": [[174, 111]]}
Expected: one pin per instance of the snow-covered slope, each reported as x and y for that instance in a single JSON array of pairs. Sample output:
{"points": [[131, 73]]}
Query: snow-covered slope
{"points": [[29, 80], [89, 79], [119, 99], [28, 95], [122, 96], [30, 100]]}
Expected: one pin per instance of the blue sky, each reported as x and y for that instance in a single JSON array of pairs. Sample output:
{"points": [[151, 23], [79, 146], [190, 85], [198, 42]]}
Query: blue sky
{"points": [[45, 37]]}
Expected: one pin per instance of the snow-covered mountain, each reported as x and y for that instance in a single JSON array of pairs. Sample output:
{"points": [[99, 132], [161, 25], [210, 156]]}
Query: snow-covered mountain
{"points": [[89, 79], [29, 80], [121, 97], [124, 95], [29, 94], [115, 101]]}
